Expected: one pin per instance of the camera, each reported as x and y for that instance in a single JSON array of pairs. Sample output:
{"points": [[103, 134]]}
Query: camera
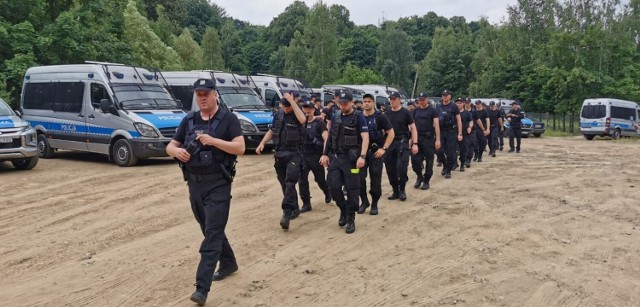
{"points": [[192, 147]]}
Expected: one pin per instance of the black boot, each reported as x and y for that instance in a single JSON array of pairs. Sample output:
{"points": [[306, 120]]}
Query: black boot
{"points": [[374, 207], [468, 164], [327, 197], [394, 196], [199, 297], [363, 206], [461, 167], [351, 223], [343, 219], [284, 221], [294, 214], [418, 182], [306, 206]]}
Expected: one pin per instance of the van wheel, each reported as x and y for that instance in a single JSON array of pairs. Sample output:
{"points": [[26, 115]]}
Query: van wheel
{"points": [[615, 134], [589, 137], [123, 153], [44, 149], [25, 164], [537, 135]]}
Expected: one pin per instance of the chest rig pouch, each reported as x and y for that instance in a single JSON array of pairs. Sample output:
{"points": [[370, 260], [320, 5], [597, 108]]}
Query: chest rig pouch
{"points": [[287, 133], [313, 140], [446, 117], [344, 133], [203, 156]]}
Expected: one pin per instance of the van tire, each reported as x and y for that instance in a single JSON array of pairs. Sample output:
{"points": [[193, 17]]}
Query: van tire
{"points": [[25, 164], [123, 154], [615, 134], [44, 149], [589, 136], [537, 135]]}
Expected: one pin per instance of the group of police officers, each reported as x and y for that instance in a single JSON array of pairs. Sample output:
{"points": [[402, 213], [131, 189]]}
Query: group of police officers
{"points": [[352, 142]]}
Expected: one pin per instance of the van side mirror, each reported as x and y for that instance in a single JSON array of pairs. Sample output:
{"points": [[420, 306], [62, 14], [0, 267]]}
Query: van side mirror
{"points": [[18, 113], [106, 106]]}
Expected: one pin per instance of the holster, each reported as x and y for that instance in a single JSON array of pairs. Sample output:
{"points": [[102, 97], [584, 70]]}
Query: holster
{"points": [[183, 168]]}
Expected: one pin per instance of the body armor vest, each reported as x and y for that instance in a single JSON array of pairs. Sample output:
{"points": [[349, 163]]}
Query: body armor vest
{"points": [[288, 132], [344, 132]]}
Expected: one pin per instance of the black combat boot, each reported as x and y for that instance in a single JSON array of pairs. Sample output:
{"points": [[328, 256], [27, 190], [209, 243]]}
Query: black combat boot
{"points": [[402, 195], [306, 206], [374, 206], [343, 219], [284, 221], [418, 182], [394, 196], [351, 223], [327, 197], [468, 164], [363, 206], [199, 297], [294, 214], [461, 167]]}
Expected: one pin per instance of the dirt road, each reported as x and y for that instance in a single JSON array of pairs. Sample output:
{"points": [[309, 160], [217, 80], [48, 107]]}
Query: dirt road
{"points": [[556, 225]]}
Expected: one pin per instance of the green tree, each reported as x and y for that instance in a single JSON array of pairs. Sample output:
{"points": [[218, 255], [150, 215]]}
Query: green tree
{"points": [[212, 50], [296, 56], [232, 47], [323, 56], [360, 46], [163, 26], [189, 51], [355, 75], [395, 57]]}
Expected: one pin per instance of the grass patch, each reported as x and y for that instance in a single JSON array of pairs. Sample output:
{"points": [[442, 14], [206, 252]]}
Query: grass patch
{"points": [[559, 133]]}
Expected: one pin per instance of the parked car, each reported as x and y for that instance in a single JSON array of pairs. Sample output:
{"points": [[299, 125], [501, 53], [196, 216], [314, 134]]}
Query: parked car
{"points": [[17, 139]]}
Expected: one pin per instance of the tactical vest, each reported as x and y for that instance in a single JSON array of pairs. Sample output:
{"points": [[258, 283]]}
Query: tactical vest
{"points": [[376, 134], [313, 137], [423, 127], [288, 132], [344, 133], [206, 159], [446, 116]]}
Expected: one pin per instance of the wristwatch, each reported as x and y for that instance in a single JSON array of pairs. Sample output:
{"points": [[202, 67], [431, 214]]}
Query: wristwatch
{"points": [[363, 156], [384, 147]]}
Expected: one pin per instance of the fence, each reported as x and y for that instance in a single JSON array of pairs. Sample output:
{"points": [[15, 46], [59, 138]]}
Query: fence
{"points": [[558, 122]]}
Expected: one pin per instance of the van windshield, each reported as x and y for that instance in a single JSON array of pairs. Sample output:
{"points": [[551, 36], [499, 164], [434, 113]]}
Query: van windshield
{"points": [[240, 98], [4, 109], [144, 97], [593, 111]]}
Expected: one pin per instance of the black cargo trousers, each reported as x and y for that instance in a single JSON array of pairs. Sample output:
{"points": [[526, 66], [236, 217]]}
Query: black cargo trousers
{"points": [[311, 163], [210, 198], [473, 144], [481, 142], [515, 132], [340, 174], [448, 144], [374, 167], [463, 147], [426, 152], [396, 161], [494, 143], [288, 165]]}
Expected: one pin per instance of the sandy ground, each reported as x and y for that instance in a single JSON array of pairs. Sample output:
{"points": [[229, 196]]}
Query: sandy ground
{"points": [[557, 225]]}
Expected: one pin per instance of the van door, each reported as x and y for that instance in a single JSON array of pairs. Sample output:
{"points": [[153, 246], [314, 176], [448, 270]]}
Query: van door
{"points": [[99, 125], [70, 130], [593, 118]]}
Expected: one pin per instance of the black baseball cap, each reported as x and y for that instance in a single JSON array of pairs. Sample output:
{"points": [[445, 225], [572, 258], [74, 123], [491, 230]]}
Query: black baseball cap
{"points": [[345, 96], [467, 100], [423, 95], [394, 95], [337, 92], [478, 101], [446, 92], [514, 102], [459, 99], [492, 103], [308, 104], [411, 103], [204, 85]]}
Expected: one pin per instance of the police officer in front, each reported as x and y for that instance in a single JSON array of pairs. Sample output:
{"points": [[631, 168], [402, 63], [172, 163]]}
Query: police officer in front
{"points": [[287, 132], [496, 126], [315, 136], [467, 126], [380, 137], [344, 155], [515, 117], [404, 145], [450, 124], [206, 143], [481, 119], [428, 127]]}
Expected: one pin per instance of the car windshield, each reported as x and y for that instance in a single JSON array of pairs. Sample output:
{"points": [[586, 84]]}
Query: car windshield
{"points": [[144, 97], [240, 98], [4, 109]]}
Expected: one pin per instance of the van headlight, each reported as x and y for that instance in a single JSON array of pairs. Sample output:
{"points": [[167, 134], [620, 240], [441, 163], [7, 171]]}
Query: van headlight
{"points": [[247, 126], [146, 130]]}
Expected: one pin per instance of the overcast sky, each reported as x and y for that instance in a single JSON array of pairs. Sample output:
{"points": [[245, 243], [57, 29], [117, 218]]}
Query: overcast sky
{"points": [[261, 12]]}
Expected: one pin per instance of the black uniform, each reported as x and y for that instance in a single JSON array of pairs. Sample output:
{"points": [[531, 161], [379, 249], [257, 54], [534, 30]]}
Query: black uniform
{"points": [[448, 135], [209, 174], [288, 137], [501, 140], [465, 144], [396, 159], [377, 124], [311, 153], [426, 143], [473, 138], [481, 115], [494, 116], [343, 148], [515, 129]]}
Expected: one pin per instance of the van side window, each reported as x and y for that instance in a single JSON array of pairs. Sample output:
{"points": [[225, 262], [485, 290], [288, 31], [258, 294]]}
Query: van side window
{"points": [[38, 96], [327, 98], [184, 93], [68, 96], [270, 97], [623, 113], [98, 92], [381, 100]]}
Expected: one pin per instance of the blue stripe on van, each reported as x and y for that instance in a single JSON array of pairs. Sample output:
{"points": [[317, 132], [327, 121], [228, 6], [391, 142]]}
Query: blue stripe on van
{"points": [[74, 128], [6, 122]]}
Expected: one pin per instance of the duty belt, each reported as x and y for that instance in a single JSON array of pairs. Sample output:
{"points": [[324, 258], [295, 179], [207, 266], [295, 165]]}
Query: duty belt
{"points": [[201, 178]]}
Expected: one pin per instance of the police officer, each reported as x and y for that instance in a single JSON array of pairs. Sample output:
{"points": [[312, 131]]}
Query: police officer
{"points": [[347, 145], [496, 125], [503, 116], [404, 145], [316, 135], [467, 126], [411, 105], [428, 129], [206, 143], [481, 120], [450, 133], [515, 117], [380, 137], [332, 106], [473, 142], [287, 132]]}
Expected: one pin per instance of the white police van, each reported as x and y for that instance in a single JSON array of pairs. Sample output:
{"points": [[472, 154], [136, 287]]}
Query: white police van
{"points": [[380, 93], [114, 109], [17, 140], [272, 88], [236, 95], [608, 117]]}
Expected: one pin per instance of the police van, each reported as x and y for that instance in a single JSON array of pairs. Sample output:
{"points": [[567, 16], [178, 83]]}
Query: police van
{"points": [[380, 93], [17, 140], [608, 117], [235, 94], [272, 88], [113, 109]]}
